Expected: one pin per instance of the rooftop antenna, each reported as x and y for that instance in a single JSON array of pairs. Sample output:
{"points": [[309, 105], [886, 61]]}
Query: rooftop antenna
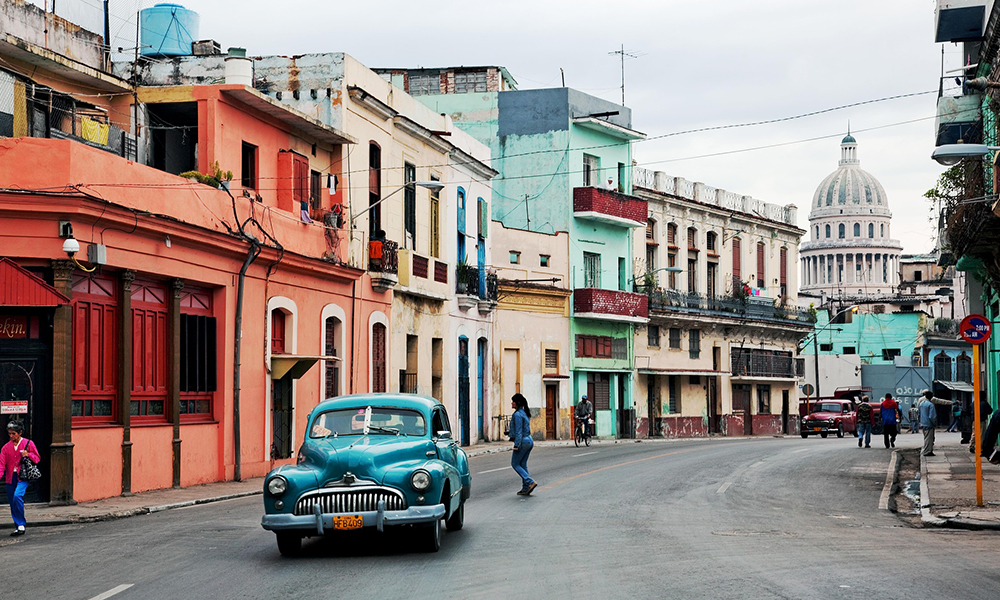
{"points": [[621, 52]]}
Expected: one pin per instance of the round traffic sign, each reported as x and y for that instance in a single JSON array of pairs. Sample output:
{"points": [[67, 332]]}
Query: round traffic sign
{"points": [[808, 389], [975, 329]]}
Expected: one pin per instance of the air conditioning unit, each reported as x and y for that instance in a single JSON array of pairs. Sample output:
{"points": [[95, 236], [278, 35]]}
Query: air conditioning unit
{"points": [[959, 20]]}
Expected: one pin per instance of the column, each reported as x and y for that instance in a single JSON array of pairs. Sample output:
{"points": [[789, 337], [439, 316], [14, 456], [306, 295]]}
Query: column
{"points": [[125, 376], [174, 372], [61, 449]]}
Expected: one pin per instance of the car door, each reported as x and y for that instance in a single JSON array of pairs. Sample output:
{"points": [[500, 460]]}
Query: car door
{"points": [[447, 450]]}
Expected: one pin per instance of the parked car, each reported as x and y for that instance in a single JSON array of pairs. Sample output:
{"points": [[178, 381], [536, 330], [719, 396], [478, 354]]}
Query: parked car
{"points": [[827, 416], [370, 461]]}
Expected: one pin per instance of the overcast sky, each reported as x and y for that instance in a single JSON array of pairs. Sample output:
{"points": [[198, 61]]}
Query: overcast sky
{"points": [[701, 64]]}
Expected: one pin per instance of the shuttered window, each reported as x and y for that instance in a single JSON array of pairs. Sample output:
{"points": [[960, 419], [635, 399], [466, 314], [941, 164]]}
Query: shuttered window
{"points": [[149, 351], [761, 282], [737, 260], [95, 356]]}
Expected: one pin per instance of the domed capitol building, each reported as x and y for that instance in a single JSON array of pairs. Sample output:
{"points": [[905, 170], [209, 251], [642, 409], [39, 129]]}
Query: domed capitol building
{"points": [[850, 252]]}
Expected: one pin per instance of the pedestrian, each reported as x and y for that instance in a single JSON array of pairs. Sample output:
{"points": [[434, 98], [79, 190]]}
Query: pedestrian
{"points": [[891, 416], [956, 413], [864, 420], [10, 467], [985, 410], [914, 415], [928, 420], [520, 434]]}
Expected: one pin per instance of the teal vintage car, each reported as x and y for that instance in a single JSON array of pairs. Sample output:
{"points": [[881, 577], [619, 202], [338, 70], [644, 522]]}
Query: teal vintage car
{"points": [[370, 461]]}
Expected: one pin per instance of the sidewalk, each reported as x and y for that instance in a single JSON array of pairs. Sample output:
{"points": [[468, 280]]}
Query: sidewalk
{"points": [[948, 488], [947, 492]]}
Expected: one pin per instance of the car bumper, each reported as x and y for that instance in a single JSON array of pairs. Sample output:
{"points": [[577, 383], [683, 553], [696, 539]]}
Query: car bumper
{"points": [[321, 523], [812, 429]]}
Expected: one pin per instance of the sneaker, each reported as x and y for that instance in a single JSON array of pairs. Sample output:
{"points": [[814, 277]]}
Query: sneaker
{"points": [[522, 493], [530, 489], [859, 443], [17, 532], [866, 446], [995, 457], [930, 454]]}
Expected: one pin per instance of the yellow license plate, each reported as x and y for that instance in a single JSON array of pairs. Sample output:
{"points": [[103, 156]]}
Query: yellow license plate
{"points": [[347, 523], [817, 428]]}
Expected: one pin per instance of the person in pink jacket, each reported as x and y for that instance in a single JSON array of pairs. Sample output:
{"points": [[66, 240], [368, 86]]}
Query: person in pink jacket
{"points": [[10, 464]]}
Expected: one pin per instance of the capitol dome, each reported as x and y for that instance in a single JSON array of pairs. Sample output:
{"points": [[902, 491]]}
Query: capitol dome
{"points": [[850, 252]]}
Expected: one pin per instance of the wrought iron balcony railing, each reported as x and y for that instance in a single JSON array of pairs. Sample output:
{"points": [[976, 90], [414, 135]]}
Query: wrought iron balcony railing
{"points": [[661, 300]]}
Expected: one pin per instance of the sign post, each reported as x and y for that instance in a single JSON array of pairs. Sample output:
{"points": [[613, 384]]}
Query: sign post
{"points": [[976, 329]]}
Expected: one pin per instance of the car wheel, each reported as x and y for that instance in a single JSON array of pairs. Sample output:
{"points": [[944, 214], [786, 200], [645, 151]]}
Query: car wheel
{"points": [[840, 430], [823, 435], [804, 435], [430, 536], [457, 519], [289, 544]]}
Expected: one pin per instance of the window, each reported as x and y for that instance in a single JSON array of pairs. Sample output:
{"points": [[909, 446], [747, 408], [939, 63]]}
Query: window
{"points": [[435, 198], [737, 261], [694, 379], [472, 82], [942, 367], [149, 351], [963, 368], [783, 271], [827, 231], [850, 350], [594, 346], [675, 338], [591, 270], [651, 230], [599, 390], [543, 260], [315, 190], [692, 238], [857, 230], [622, 275], [462, 257], [672, 275], [761, 257], [826, 347], [671, 234], [551, 361], [710, 241], [198, 363], [410, 206], [591, 170], [871, 230], [378, 358], [515, 257], [673, 404], [621, 177], [841, 229], [692, 276], [881, 230], [890, 353], [653, 336], [331, 375], [918, 275], [763, 399], [95, 360], [711, 271], [817, 232], [374, 189], [694, 343], [248, 166], [619, 348], [300, 183], [422, 85]]}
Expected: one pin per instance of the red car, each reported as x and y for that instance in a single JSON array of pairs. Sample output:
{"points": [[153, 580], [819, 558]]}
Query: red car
{"points": [[825, 416]]}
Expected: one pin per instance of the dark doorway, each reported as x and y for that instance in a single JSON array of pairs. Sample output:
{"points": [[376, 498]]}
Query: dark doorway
{"points": [[551, 412], [713, 405], [741, 406], [281, 417], [784, 412], [463, 389]]}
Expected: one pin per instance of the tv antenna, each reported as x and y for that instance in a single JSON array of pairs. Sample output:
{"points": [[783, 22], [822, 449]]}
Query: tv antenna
{"points": [[621, 52]]}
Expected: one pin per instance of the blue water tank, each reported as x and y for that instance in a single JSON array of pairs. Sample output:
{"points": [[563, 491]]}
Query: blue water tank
{"points": [[167, 30]]}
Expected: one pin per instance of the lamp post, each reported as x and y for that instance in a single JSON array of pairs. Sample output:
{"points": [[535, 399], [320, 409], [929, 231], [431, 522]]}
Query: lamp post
{"points": [[952, 154], [667, 269], [431, 185]]}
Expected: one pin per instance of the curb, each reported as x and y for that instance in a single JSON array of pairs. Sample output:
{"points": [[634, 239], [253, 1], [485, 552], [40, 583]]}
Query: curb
{"points": [[926, 517]]}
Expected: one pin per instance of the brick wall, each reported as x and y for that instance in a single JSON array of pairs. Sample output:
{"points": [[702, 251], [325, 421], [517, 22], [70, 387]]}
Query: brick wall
{"points": [[610, 302], [607, 202]]}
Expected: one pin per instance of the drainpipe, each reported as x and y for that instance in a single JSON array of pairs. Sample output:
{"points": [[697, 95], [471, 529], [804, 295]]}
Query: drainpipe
{"points": [[252, 255]]}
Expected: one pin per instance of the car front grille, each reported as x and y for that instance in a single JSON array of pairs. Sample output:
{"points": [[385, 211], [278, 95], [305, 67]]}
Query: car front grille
{"points": [[350, 500]]}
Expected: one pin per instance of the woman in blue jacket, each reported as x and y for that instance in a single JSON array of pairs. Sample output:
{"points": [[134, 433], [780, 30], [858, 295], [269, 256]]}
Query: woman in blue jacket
{"points": [[520, 434]]}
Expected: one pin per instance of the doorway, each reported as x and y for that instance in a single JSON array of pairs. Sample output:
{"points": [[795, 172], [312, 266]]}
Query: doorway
{"points": [[741, 406], [463, 390], [551, 411], [24, 385]]}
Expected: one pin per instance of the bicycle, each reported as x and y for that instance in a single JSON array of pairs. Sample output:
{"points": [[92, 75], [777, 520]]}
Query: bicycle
{"points": [[582, 433]]}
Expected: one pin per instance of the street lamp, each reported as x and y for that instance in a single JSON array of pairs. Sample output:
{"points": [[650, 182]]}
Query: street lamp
{"points": [[431, 185], [952, 154], [667, 269], [853, 308]]}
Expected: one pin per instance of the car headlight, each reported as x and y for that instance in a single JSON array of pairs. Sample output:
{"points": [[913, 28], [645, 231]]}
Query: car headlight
{"points": [[277, 485], [420, 480]]}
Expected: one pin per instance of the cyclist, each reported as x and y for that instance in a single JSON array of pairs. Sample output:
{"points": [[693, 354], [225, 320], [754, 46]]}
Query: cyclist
{"points": [[584, 410]]}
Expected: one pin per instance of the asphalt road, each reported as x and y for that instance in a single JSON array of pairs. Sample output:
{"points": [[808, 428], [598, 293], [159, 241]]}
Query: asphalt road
{"points": [[746, 519]]}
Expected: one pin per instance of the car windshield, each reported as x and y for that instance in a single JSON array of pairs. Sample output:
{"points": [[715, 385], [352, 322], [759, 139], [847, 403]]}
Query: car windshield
{"points": [[826, 407], [351, 421]]}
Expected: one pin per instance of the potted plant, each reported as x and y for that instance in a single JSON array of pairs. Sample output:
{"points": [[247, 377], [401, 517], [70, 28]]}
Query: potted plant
{"points": [[217, 179], [462, 277]]}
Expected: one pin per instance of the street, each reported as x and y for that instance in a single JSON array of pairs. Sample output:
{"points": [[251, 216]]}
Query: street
{"points": [[742, 518]]}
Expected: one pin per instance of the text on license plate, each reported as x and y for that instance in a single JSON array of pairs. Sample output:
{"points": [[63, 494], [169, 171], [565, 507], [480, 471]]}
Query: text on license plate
{"points": [[349, 522], [817, 428]]}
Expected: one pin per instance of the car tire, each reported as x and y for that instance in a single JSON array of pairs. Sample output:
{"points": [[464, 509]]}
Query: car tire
{"points": [[823, 435], [289, 544], [804, 435], [840, 430], [430, 536], [457, 519]]}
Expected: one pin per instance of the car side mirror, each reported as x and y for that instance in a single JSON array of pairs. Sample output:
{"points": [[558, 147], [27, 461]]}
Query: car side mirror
{"points": [[444, 435]]}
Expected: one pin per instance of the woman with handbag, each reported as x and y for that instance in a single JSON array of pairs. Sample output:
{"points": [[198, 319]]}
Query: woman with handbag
{"points": [[16, 473]]}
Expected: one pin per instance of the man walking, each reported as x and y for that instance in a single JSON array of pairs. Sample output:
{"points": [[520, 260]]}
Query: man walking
{"points": [[864, 422], [928, 420], [890, 420]]}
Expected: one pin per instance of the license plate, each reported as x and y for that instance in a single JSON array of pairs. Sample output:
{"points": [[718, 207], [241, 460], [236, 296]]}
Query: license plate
{"points": [[817, 428], [349, 522]]}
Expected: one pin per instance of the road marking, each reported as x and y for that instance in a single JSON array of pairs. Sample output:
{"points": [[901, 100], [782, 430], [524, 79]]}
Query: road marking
{"points": [[802, 450], [113, 591], [725, 486], [630, 462], [493, 470], [585, 453], [883, 501]]}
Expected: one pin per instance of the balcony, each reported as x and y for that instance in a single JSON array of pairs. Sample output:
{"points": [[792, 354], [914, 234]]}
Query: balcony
{"points": [[423, 276], [762, 364], [609, 207], [476, 287], [732, 307], [610, 305], [383, 264]]}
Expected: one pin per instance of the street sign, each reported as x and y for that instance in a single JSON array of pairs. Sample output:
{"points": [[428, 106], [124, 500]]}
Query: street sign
{"points": [[13, 407], [975, 329], [808, 389]]}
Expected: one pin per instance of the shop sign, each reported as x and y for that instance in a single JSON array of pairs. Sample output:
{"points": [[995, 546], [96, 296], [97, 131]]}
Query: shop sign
{"points": [[14, 407], [13, 327]]}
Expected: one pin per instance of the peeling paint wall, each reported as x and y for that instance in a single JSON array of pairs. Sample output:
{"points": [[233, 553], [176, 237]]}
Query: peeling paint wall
{"points": [[52, 32]]}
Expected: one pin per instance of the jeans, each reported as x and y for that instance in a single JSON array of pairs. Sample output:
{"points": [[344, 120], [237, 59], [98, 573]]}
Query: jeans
{"points": [[864, 432], [15, 495], [519, 461], [954, 424]]}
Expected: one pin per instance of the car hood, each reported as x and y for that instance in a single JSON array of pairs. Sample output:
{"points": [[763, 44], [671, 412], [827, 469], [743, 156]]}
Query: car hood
{"points": [[367, 457], [821, 416]]}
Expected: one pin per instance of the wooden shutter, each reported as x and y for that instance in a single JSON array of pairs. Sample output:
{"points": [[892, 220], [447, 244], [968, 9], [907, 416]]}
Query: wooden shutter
{"points": [[784, 266], [737, 258], [760, 265]]}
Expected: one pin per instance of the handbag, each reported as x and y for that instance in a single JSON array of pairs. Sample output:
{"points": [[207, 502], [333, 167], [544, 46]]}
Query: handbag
{"points": [[29, 470]]}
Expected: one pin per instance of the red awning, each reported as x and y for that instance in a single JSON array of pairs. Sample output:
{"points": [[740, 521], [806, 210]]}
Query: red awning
{"points": [[19, 287]]}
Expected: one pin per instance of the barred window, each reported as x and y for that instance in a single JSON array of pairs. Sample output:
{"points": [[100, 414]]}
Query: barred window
{"points": [[653, 335], [552, 360], [694, 343], [619, 348], [422, 85], [675, 338]]}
